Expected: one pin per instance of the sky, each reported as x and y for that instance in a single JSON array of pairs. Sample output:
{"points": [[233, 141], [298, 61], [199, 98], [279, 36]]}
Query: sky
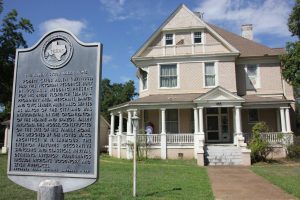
{"points": [[122, 26]]}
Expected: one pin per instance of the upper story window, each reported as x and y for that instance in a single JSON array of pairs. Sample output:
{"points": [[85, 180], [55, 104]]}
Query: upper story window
{"points": [[197, 37], [168, 75], [169, 39], [252, 76], [209, 74], [144, 78]]}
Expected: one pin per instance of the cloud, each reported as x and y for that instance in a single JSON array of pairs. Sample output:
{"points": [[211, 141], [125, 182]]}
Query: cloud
{"points": [[267, 17], [121, 10], [74, 26], [106, 59]]}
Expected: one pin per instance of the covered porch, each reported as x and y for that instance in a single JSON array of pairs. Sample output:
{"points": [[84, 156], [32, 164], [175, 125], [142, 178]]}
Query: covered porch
{"points": [[184, 124]]}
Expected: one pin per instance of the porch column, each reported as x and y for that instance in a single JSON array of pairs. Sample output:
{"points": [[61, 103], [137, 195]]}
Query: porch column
{"points": [[196, 130], [282, 120], [287, 119], [199, 140], [238, 125], [238, 137], [129, 137], [163, 140], [129, 123], [112, 129], [4, 148], [120, 133], [201, 120]]}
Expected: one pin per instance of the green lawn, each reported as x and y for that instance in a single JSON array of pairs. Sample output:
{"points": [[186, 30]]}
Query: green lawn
{"points": [[285, 176], [157, 179]]}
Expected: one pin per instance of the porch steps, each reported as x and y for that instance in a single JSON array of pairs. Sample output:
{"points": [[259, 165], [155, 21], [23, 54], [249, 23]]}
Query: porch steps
{"points": [[222, 154]]}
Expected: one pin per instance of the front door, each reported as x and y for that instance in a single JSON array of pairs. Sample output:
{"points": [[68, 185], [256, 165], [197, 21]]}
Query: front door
{"points": [[217, 125]]}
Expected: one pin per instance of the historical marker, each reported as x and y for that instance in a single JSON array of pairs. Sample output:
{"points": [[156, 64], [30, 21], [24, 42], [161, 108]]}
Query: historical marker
{"points": [[55, 113]]}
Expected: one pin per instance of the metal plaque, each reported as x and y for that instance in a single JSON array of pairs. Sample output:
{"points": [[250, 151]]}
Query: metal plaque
{"points": [[55, 112]]}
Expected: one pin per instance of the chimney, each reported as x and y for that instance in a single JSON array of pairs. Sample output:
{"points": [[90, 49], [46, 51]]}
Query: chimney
{"points": [[199, 14], [247, 31]]}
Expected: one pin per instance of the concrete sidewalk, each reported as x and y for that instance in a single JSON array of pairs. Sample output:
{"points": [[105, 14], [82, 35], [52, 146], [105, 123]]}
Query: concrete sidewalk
{"points": [[240, 183]]}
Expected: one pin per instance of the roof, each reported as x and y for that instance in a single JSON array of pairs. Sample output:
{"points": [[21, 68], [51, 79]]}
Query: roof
{"points": [[247, 48], [263, 99], [163, 99], [167, 98]]}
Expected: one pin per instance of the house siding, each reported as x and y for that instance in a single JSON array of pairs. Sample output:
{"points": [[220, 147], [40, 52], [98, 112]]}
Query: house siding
{"points": [[266, 115]]}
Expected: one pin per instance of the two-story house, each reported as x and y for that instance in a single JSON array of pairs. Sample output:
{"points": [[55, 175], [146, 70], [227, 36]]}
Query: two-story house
{"points": [[202, 89]]}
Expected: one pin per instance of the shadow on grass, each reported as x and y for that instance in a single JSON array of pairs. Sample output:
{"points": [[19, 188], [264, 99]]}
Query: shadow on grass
{"points": [[161, 192]]}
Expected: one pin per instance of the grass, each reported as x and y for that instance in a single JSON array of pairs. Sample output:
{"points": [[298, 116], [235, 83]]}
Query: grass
{"points": [[156, 179], [285, 175]]}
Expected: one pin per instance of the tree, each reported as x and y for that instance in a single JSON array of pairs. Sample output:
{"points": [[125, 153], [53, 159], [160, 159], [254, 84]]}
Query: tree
{"points": [[115, 93], [291, 60], [11, 38]]}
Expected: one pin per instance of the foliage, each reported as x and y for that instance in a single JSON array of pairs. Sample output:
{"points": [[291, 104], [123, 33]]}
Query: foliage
{"points": [[156, 179], [115, 93], [294, 20], [291, 60], [260, 148], [286, 176], [294, 149], [291, 63], [11, 38]]}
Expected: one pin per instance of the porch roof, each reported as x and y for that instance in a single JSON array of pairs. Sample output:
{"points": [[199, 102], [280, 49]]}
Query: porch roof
{"points": [[189, 98], [264, 100]]}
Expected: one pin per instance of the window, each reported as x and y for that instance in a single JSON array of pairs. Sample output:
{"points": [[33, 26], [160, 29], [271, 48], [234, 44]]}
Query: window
{"points": [[252, 115], [144, 79], [169, 39], [168, 75], [172, 121], [197, 37], [210, 74], [251, 76]]}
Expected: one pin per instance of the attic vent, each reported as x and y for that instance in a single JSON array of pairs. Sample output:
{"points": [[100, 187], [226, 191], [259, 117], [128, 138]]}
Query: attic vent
{"points": [[180, 42], [199, 14]]}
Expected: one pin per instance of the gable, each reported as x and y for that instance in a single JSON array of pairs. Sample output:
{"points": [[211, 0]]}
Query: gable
{"points": [[183, 22], [183, 19], [218, 94]]}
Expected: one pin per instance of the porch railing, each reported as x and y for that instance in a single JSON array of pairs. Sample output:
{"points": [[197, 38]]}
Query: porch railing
{"points": [[180, 138], [154, 139], [273, 138]]}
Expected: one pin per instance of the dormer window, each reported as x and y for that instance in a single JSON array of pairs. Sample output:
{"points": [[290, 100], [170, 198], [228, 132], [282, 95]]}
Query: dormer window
{"points": [[197, 37], [169, 38]]}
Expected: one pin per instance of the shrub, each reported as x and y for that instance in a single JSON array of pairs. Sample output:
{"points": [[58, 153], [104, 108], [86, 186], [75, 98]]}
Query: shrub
{"points": [[260, 148], [294, 149]]}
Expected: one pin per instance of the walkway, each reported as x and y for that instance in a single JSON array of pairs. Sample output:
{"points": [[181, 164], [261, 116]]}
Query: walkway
{"points": [[236, 183]]}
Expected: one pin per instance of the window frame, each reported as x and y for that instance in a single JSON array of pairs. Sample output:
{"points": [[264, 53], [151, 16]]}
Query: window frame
{"points": [[201, 37], [216, 74], [170, 121], [159, 75], [173, 39], [142, 80], [247, 77], [253, 121]]}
